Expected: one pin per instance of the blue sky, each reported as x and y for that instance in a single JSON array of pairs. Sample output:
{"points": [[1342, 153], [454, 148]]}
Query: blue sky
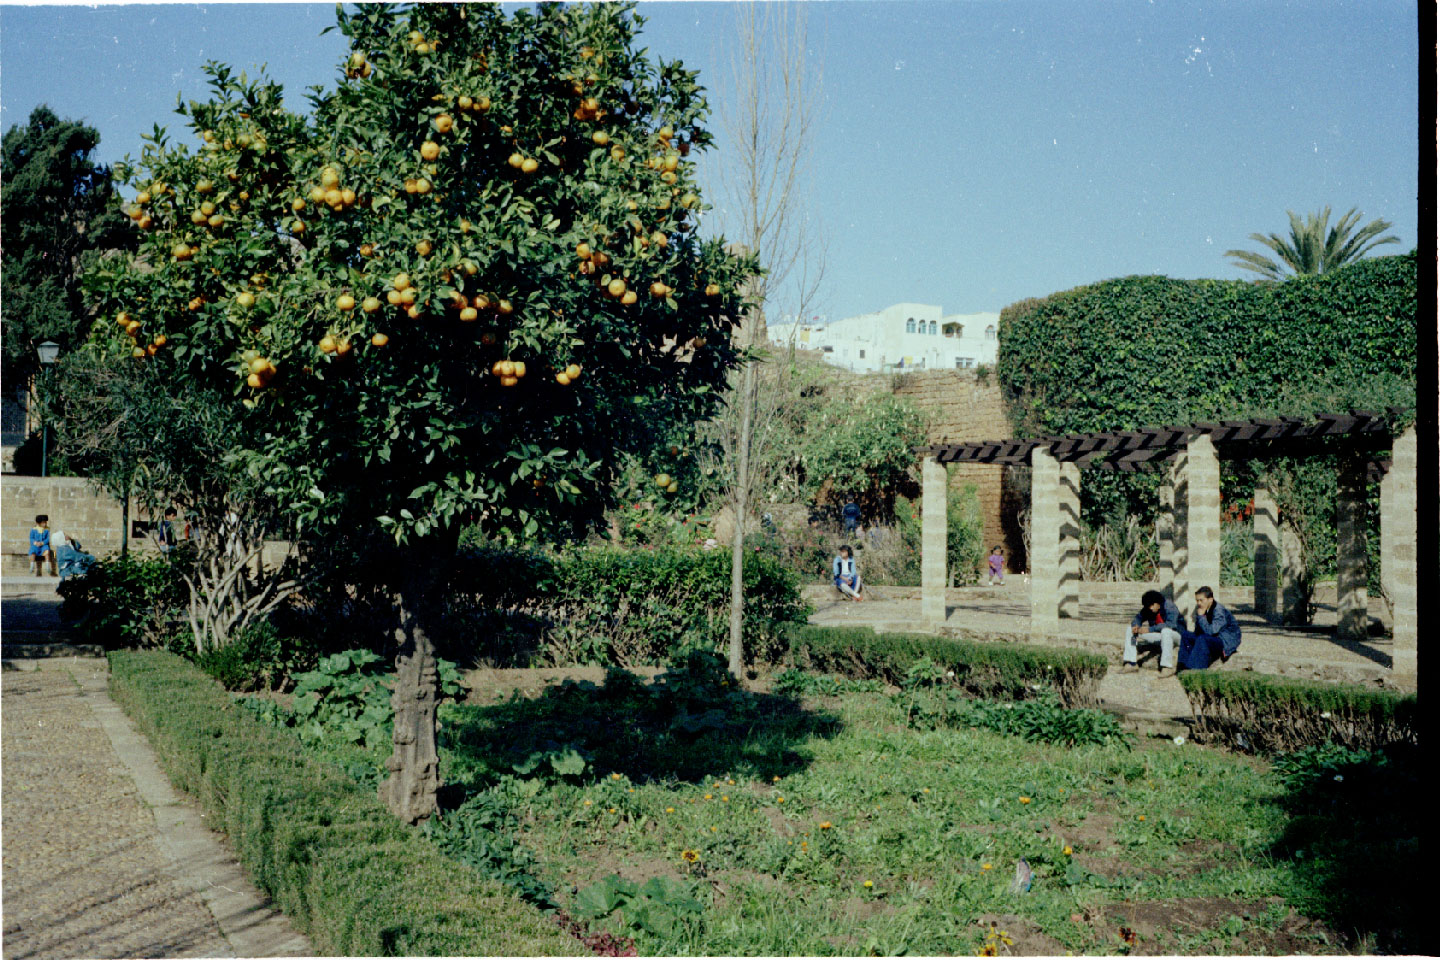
{"points": [[971, 154]]}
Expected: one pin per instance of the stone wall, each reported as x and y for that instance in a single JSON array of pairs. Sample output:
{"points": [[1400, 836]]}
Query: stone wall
{"points": [[73, 506]]}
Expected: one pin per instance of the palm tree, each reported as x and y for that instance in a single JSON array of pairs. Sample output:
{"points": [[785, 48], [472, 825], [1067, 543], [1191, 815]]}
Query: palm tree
{"points": [[1309, 249]]}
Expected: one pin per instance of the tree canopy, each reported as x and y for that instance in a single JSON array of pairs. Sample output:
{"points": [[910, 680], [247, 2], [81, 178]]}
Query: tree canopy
{"points": [[1313, 245], [57, 204]]}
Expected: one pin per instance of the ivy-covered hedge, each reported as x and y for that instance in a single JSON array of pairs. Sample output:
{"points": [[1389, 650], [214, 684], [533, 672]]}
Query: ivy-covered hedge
{"points": [[1149, 351], [1266, 714], [620, 607], [351, 876], [982, 669]]}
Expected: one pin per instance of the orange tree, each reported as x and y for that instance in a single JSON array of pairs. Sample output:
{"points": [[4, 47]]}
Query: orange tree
{"points": [[458, 288]]}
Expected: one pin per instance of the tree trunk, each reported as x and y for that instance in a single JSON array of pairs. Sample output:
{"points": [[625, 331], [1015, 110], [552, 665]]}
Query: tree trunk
{"points": [[125, 522], [410, 790], [742, 504]]}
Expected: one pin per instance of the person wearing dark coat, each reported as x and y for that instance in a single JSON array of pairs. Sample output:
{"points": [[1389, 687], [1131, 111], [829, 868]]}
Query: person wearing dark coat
{"points": [[1158, 621], [1216, 635]]}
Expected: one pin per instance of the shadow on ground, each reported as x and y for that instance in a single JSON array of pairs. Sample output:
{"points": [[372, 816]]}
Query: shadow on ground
{"points": [[693, 722], [1353, 843]]}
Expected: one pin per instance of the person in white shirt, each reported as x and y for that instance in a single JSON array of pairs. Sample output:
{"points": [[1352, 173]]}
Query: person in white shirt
{"points": [[847, 574]]}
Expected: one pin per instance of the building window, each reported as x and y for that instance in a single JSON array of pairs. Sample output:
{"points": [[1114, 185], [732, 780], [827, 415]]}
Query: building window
{"points": [[953, 330], [862, 354], [934, 328], [827, 349], [990, 332], [964, 363], [910, 325]]}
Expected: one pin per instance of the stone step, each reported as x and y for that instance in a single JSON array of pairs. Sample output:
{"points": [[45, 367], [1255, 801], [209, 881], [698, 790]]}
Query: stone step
{"points": [[26, 650]]}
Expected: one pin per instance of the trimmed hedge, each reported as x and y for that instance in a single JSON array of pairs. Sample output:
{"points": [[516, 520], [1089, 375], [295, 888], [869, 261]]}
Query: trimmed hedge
{"points": [[609, 606], [982, 669], [1266, 714], [333, 859]]}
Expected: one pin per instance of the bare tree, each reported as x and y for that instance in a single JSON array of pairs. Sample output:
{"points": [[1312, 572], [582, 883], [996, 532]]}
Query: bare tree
{"points": [[769, 128]]}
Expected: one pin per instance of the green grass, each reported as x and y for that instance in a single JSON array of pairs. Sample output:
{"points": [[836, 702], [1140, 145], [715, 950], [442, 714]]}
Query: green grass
{"points": [[1228, 858]]}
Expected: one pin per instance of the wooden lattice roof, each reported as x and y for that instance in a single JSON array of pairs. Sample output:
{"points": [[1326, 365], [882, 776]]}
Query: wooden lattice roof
{"points": [[1129, 450]]}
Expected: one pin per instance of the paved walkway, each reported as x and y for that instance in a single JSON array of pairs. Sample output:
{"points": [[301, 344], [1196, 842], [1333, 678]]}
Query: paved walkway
{"points": [[102, 857], [1105, 610]]}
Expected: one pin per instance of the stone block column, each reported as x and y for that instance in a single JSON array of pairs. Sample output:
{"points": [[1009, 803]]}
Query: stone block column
{"points": [[1294, 578], [1403, 525], [1165, 536], [1351, 576], [1387, 537], [1267, 555], [933, 528], [1068, 602], [1054, 562], [1202, 467], [1178, 484]]}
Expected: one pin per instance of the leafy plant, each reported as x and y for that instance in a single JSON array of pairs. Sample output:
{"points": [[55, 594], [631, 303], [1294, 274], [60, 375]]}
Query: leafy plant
{"points": [[124, 601], [660, 906], [260, 657], [482, 833], [1041, 719], [792, 682]]}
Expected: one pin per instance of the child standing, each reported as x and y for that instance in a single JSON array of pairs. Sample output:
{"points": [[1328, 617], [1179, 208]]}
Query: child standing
{"points": [[997, 566], [40, 546]]}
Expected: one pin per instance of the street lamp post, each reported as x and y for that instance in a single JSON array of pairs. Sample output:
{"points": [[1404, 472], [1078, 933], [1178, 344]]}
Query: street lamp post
{"points": [[48, 351]]}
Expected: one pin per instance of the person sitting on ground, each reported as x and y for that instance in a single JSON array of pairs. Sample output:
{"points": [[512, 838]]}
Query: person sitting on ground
{"points": [[847, 574], [1158, 621], [997, 566], [40, 549], [73, 560], [1216, 636]]}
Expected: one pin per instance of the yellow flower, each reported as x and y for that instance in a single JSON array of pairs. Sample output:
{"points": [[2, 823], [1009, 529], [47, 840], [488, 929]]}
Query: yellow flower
{"points": [[1024, 799], [731, 782], [690, 856], [709, 796], [780, 800], [984, 866], [714, 829], [868, 884], [987, 951], [587, 803], [1067, 851], [612, 809], [775, 779], [629, 789], [804, 844], [926, 790], [825, 825], [614, 776], [669, 809], [1142, 816], [724, 799]]}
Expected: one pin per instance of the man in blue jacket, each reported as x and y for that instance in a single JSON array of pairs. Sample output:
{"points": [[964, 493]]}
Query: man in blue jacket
{"points": [[1158, 621], [1216, 636]]}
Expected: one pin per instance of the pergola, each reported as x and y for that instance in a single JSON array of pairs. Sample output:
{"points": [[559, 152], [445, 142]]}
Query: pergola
{"points": [[1189, 515]]}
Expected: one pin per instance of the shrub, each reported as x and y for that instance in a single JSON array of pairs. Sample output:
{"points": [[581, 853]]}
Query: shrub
{"points": [[1042, 719], [1264, 714], [622, 607], [125, 601], [349, 875], [982, 669], [260, 657]]}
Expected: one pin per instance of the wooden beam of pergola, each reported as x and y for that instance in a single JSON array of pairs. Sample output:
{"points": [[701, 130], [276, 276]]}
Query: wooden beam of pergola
{"points": [[1252, 439]]}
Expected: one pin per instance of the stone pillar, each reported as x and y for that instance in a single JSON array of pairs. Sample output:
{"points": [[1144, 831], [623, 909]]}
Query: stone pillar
{"points": [[1054, 542], [933, 527], [1404, 532], [1353, 618], [1267, 556], [1387, 537], [1294, 578], [1179, 549], [1202, 525], [1068, 601], [1165, 535]]}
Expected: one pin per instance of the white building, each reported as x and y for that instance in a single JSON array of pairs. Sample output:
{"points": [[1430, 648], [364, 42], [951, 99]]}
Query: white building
{"points": [[906, 336]]}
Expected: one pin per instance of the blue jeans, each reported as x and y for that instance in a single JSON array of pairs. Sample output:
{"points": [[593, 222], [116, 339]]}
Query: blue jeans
{"points": [[1199, 650]]}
